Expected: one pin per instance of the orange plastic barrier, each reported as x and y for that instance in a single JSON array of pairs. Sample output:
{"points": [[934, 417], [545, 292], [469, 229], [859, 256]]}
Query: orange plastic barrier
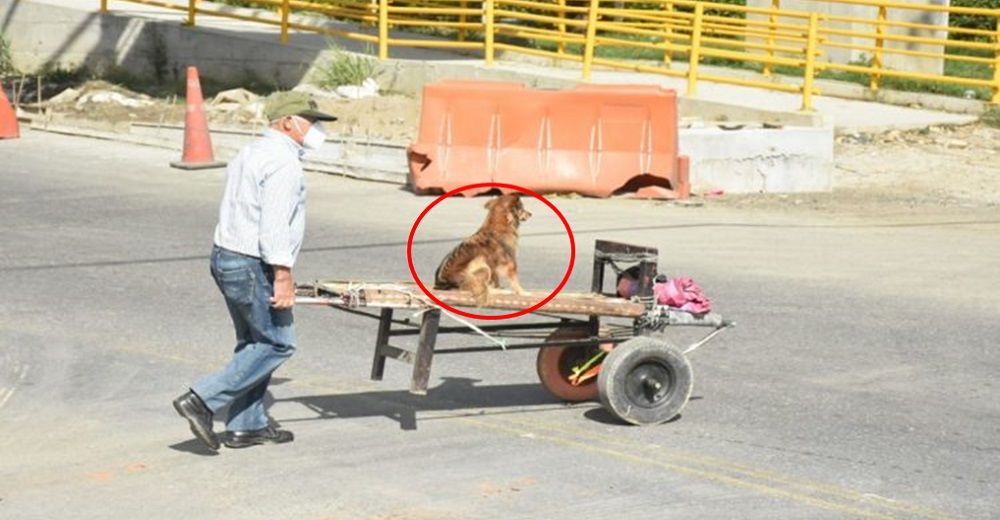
{"points": [[595, 140]]}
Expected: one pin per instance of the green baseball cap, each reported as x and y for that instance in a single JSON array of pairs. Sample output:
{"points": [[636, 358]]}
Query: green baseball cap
{"points": [[281, 104]]}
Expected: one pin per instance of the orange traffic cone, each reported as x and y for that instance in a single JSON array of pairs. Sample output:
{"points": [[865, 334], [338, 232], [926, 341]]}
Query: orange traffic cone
{"points": [[8, 118], [197, 141]]}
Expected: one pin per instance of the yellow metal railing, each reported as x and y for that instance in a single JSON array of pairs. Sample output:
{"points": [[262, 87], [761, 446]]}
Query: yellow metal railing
{"points": [[649, 35]]}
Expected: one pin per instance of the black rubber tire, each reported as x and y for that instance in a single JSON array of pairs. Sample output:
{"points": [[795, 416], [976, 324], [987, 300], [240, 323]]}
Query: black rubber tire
{"points": [[645, 381], [554, 365]]}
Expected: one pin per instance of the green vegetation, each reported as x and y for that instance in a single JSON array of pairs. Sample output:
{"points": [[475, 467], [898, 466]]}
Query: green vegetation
{"points": [[56, 74], [968, 21], [345, 68], [246, 3], [6, 60]]}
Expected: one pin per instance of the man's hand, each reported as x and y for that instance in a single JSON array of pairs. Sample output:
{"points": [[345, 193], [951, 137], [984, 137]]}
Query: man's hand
{"points": [[284, 288]]}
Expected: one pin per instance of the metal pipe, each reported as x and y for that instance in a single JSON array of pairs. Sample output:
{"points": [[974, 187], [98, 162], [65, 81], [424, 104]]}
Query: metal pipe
{"points": [[876, 78], [488, 46], [772, 19], [695, 55], [383, 29], [810, 72], [588, 52], [286, 8]]}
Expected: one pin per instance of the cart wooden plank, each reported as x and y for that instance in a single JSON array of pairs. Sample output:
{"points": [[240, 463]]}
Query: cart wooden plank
{"points": [[409, 295]]}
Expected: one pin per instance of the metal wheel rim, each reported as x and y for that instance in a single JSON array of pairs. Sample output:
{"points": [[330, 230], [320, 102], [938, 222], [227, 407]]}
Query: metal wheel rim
{"points": [[649, 384]]}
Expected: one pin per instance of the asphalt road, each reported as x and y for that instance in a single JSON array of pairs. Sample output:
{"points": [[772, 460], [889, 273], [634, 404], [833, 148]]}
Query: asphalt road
{"points": [[860, 383]]}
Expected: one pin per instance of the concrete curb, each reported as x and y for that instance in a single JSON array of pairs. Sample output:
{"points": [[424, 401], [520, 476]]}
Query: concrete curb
{"points": [[376, 161]]}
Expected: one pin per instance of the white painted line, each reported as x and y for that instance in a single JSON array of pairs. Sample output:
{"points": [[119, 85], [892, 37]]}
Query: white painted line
{"points": [[7, 393]]}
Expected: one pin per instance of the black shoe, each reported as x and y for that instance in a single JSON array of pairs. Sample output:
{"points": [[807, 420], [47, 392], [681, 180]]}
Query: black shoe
{"points": [[269, 435], [191, 407]]}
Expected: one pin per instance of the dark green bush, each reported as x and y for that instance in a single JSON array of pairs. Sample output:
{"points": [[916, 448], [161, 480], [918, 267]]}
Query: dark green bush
{"points": [[969, 21], [245, 3]]}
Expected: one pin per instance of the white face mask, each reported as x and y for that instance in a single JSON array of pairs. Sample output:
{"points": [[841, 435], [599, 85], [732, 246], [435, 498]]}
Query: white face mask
{"points": [[315, 136]]}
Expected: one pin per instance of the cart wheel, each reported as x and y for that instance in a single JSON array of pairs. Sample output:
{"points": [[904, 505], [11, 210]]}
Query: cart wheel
{"points": [[555, 366], [645, 381]]}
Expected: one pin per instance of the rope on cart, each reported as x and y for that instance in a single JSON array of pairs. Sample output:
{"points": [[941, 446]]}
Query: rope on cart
{"points": [[353, 294], [467, 323], [408, 292]]}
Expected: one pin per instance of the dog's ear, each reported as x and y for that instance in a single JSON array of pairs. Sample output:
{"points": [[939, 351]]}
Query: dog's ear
{"points": [[490, 203]]}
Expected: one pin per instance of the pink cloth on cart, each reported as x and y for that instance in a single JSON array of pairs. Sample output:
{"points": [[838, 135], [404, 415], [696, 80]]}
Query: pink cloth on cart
{"points": [[682, 293]]}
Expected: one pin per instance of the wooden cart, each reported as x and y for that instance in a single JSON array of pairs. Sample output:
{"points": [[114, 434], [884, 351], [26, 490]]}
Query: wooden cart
{"points": [[636, 372]]}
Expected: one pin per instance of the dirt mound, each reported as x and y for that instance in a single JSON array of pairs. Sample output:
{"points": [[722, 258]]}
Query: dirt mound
{"points": [[99, 104]]}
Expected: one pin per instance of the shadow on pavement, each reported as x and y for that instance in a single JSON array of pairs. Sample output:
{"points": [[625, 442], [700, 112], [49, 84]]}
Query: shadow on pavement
{"points": [[459, 395], [195, 447]]}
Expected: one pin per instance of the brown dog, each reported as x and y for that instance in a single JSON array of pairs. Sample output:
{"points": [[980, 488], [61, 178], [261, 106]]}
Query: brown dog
{"points": [[480, 261]]}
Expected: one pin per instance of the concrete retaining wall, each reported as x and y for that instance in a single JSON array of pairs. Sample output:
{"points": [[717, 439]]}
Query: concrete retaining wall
{"points": [[48, 35]]}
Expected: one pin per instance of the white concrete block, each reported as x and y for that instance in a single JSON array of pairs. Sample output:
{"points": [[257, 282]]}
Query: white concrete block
{"points": [[759, 160]]}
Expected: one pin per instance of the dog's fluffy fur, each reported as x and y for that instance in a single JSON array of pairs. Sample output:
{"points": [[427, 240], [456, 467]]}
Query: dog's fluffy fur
{"points": [[480, 261]]}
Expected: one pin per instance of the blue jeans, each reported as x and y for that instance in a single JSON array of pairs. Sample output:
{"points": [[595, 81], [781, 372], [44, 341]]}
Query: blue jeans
{"points": [[265, 338]]}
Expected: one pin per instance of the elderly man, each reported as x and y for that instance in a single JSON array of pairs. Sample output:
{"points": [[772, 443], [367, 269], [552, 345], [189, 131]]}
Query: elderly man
{"points": [[258, 236]]}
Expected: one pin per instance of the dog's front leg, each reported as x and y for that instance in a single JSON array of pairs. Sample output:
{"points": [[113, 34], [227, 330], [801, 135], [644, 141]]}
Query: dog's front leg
{"points": [[515, 285]]}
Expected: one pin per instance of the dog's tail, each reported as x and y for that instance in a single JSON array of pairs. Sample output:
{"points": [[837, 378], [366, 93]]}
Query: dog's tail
{"points": [[440, 282], [442, 277]]}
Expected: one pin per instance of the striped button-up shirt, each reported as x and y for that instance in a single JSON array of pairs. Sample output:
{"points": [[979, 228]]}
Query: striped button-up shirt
{"points": [[263, 207]]}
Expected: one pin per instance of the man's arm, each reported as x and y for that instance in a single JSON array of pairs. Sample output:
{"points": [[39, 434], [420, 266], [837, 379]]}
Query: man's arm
{"points": [[284, 288], [280, 193]]}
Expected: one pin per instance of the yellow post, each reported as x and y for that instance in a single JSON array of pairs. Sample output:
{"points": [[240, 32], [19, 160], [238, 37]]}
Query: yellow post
{"points": [[812, 44], [286, 8], [772, 20], [668, 34], [462, 19], [695, 56], [383, 29], [590, 42], [996, 67], [488, 37], [104, 6], [192, 10], [876, 76], [561, 27]]}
